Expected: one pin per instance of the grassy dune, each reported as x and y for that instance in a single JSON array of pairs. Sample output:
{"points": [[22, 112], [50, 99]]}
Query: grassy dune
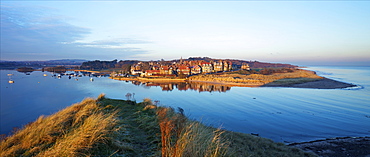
{"points": [[234, 78], [108, 127], [74, 131]]}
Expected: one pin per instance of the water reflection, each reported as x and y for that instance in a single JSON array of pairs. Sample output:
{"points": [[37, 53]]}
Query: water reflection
{"points": [[184, 86]]}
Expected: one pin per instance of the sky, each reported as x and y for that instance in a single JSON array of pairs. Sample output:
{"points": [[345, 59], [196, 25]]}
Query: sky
{"points": [[295, 32]]}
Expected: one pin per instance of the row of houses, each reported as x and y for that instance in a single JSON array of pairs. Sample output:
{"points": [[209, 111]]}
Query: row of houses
{"points": [[179, 68]]}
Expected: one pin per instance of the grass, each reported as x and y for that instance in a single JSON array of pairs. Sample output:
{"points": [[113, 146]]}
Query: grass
{"points": [[242, 77], [109, 127], [74, 131]]}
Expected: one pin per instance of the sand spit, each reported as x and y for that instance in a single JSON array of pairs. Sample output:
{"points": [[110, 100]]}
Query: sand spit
{"points": [[324, 83]]}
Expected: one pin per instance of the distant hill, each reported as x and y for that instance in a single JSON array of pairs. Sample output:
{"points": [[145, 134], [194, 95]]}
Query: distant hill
{"points": [[40, 64], [69, 60]]}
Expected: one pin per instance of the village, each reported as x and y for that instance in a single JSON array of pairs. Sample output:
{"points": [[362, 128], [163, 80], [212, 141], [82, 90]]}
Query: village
{"points": [[179, 69]]}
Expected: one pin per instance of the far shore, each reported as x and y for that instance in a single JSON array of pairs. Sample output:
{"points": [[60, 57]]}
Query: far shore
{"points": [[298, 79], [148, 79], [323, 83]]}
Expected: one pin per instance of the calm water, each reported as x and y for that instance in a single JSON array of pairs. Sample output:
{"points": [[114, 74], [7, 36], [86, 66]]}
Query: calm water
{"points": [[282, 114]]}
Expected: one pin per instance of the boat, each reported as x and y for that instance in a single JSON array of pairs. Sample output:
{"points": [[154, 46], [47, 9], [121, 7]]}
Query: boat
{"points": [[45, 75], [10, 78], [91, 79]]}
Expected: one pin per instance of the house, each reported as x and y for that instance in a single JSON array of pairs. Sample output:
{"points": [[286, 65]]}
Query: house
{"points": [[166, 70], [151, 72], [227, 65], [197, 69], [245, 66], [206, 67], [136, 72], [218, 66], [183, 70]]}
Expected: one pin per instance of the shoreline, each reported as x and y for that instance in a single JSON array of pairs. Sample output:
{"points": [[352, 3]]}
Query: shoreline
{"points": [[148, 79], [324, 83], [299, 78], [339, 146]]}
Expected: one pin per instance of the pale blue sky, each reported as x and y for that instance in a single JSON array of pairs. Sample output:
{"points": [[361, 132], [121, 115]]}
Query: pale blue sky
{"points": [[297, 32]]}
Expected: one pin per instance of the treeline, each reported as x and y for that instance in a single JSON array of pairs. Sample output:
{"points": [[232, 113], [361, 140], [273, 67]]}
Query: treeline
{"points": [[98, 65], [102, 65], [40, 64], [25, 69], [57, 69]]}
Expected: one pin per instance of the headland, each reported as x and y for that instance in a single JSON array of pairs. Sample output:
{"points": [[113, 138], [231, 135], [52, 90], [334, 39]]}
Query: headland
{"points": [[110, 127]]}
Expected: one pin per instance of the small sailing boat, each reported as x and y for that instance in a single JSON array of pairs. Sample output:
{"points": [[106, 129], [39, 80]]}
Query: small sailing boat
{"points": [[10, 79], [91, 79]]}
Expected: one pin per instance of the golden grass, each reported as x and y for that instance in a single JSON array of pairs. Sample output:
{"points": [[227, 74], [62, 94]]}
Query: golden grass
{"points": [[70, 132], [254, 79], [108, 127], [184, 138]]}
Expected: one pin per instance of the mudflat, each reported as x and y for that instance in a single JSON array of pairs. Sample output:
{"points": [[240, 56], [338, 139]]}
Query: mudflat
{"points": [[324, 83]]}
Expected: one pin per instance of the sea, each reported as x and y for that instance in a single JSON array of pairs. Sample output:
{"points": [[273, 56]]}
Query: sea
{"points": [[282, 114]]}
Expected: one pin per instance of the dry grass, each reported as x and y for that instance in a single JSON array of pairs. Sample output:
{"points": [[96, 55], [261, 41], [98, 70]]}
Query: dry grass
{"points": [[108, 127], [182, 137], [255, 79], [69, 132]]}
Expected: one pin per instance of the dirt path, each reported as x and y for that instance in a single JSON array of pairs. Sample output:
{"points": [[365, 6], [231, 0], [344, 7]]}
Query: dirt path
{"points": [[140, 143], [134, 137]]}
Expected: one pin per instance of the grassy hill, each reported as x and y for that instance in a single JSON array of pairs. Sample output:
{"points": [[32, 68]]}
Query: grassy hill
{"points": [[109, 127]]}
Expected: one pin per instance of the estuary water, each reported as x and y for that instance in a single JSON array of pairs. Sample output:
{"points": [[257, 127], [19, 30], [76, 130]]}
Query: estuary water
{"points": [[281, 114]]}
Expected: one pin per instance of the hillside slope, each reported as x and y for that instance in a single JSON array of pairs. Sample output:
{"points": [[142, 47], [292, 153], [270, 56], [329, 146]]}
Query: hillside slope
{"points": [[108, 127]]}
